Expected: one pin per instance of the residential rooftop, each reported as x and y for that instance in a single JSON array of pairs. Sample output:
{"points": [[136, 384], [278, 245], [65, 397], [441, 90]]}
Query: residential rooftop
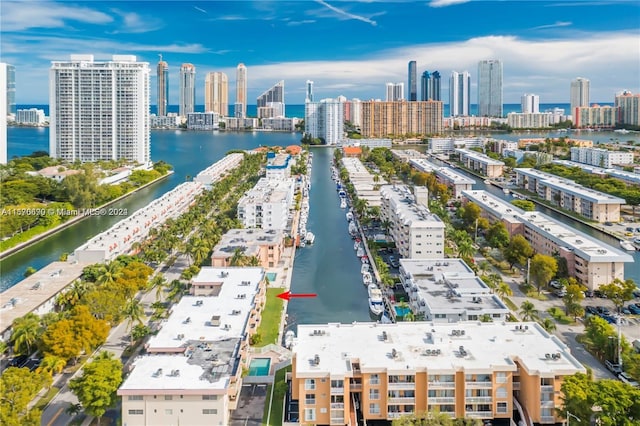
{"points": [[214, 172], [496, 206], [454, 177], [407, 209], [479, 157], [268, 191], [278, 161], [249, 240], [336, 347]]}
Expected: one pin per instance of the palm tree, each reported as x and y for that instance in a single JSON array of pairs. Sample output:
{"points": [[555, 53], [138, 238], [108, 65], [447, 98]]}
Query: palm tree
{"points": [[503, 290], [134, 312], [109, 273], [26, 332], [51, 365], [495, 280], [549, 325], [238, 257], [159, 282], [484, 267], [528, 311], [465, 249]]}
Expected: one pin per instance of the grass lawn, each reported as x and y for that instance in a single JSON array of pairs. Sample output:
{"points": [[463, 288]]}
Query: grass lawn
{"points": [[53, 391], [278, 398], [560, 316], [271, 316]]}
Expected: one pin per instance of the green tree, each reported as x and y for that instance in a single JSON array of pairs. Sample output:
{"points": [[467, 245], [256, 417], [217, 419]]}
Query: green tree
{"points": [[503, 289], [518, 251], [525, 205], [433, 418], [497, 235], [542, 269], [571, 300], [469, 214], [548, 324], [26, 333], [51, 365], [108, 273], [619, 291], [528, 311], [18, 386], [96, 387], [134, 313], [29, 271]]}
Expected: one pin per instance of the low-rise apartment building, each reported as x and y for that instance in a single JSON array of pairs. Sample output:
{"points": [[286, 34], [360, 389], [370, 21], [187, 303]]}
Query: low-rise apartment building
{"points": [[192, 371], [589, 260], [471, 370], [447, 290], [632, 178], [480, 163], [601, 157], [266, 245], [219, 169], [567, 194], [366, 185], [418, 233], [278, 165], [448, 145], [454, 180], [267, 204]]}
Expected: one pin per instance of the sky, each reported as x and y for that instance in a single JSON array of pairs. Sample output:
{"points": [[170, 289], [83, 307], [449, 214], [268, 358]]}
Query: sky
{"points": [[349, 48]]}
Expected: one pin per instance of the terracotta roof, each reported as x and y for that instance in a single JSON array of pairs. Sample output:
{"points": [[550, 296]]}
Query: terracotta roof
{"points": [[352, 150]]}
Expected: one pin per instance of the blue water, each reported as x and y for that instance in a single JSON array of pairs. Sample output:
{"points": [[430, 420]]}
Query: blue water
{"points": [[259, 366], [401, 311], [271, 276]]}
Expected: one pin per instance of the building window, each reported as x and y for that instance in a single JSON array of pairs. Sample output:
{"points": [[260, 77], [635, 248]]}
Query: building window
{"points": [[337, 383], [210, 397], [310, 414], [168, 397], [501, 377], [374, 379], [136, 412], [135, 398], [310, 384], [374, 394], [374, 408], [502, 407], [501, 392], [310, 399], [209, 411]]}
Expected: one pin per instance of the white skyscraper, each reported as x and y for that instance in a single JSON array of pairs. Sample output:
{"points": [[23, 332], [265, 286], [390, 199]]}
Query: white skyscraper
{"points": [[530, 103], [579, 94], [325, 120], [99, 110], [395, 92], [3, 113], [490, 88], [187, 89], [241, 91], [459, 94]]}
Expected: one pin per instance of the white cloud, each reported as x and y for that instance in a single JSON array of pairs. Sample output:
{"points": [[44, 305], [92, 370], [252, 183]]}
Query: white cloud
{"points": [[19, 15], [303, 22], [445, 3], [199, 9], [347, 15], [133, 23], [557, 24]]}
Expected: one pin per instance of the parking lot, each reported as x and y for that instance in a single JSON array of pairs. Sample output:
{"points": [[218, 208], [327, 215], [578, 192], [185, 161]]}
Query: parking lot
{"points": [[250, 406]]}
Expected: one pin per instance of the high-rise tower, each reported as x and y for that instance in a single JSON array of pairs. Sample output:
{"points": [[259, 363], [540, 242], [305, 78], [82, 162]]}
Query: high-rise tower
{"points": [[459, 94], [309, 97], [187, 89], [395, 92], [11, 89], [530, 104], [216, 93], [271, 102], [413, 81], [579, 94], [99, 110], [490, 88], [163, 87], [430, 86], [241, 91], [3, 113]]}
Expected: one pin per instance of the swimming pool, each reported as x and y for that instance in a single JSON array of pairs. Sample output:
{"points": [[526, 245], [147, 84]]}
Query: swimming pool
{"points": [[402, 311], [259, 366], [271, 276]]}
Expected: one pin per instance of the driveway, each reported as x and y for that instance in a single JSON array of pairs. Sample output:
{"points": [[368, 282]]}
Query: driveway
{"points": [[250, 406]]}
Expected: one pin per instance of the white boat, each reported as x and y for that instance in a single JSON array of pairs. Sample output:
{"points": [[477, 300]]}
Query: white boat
{"points": [[353, 228], [376, 303], [357, 245], [505, 190], [343, 203], [310, 237], [627, 245], [360, 252], [623, 131], [349, 216], [288, 339], [367, 278], [487, 181], [365, 268]]}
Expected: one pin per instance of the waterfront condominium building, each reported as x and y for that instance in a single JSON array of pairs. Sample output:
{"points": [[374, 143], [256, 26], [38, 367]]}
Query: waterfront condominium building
{"points": [[596, 116], [529, 120], [384, 119], [530, 104], [591, 261], [490, 88], [271, 103], [418, 233], [459, 94], [394, 92], [266, 245], [480, 163], [381, 372], [240, 107], [163, 87], [187, 89], [629, 108], [325, 120], [192, 371], [600, 157], [99, 110], [267, 204], [579, 94], [3, 114], [412, 81], [216, 93], [430, 86]]}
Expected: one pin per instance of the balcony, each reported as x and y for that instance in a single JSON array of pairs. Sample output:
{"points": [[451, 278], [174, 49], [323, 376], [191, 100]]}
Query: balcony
{"points": [[337, 406], [478, 385], [353, 387], [338, 391], [401, 385], [479, 414], [397, 415], [547, 419], [401, 400], [516, 385], [479, 399], [545, 388], [337, 420], [441, 400], [442, 385]]}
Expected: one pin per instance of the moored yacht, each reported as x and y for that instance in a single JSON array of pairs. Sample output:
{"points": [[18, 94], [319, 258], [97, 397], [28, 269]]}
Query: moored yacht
{"points": [[343, 203], [367, 278], [627, 245], [376, 303], [310, 237]]}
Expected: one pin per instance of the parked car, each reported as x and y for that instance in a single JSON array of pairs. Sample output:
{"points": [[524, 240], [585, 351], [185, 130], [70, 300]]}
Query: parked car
{"points": [[599, 294], [555, 284], [608, 224], [625, 378], [613, 367], [634, 309], [18, 361], [561, 292], [589, 293], [629, 229], [590, 310], [603, 310]]}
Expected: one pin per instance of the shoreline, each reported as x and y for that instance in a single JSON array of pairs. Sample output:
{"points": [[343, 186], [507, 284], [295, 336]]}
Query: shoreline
{"points": [[36, 238]]}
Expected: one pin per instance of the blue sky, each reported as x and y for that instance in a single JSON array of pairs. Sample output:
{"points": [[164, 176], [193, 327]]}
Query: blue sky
{"points": [[349, 48]]}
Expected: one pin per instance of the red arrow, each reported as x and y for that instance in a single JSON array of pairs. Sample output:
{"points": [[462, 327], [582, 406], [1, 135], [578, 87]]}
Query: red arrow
{"points": [[287, 295]]}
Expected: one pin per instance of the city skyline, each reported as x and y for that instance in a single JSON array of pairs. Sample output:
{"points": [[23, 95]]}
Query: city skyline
{"points": [[596, 40]]}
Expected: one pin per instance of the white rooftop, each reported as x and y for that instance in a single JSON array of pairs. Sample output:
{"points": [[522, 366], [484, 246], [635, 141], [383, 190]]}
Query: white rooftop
{"points": [[454, 177], [569, 186], [496, 206], [207, 318], [336, 346], [268, 191], [407, 209], [247, 239], [423, 165], [214, 172], [479, 157], [407, 154]]}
